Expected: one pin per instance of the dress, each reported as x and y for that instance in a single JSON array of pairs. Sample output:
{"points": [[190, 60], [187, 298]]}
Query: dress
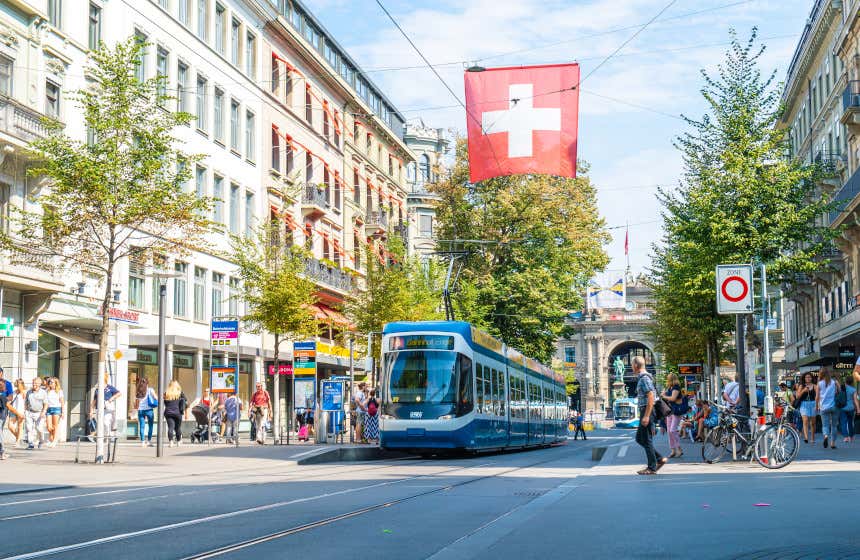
{"points": [[371, 426]]}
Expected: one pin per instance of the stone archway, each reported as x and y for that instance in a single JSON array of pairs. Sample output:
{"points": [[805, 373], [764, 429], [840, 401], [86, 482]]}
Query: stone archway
{"points": [[624, 351]]}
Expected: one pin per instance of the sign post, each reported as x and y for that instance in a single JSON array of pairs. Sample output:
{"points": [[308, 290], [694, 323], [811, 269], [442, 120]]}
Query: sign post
{"points": [[735, 297], [224, 337], [332, 405], [304, 375]]}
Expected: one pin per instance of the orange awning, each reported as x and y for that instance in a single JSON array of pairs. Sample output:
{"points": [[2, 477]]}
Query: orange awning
{"points": [[332, 315]]}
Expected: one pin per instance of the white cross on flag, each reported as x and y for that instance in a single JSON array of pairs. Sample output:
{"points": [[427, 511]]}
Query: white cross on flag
{"points": [[523, 120]]}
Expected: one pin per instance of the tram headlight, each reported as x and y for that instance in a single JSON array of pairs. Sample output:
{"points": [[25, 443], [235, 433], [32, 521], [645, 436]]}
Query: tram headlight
{"points": [[446, 417]]}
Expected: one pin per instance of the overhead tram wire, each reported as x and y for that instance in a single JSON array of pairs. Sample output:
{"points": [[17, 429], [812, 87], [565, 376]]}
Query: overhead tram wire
{"points": [[444, 83]]}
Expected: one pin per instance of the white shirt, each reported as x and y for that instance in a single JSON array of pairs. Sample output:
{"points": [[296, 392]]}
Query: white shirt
{"points": [[142, 404], [359, 399], [54, 398], [732, 390], [827, 394]]}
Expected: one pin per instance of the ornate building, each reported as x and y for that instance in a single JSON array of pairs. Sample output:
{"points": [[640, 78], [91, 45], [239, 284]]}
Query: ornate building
{"points": [[429, 146]]}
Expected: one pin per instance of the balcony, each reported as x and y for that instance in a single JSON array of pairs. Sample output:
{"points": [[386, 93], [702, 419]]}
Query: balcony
{"points": [[845, 197], [328, 276], [851, 106], [30, 269], [21, 121], [375, 223], [314, 201], [831, 166]]}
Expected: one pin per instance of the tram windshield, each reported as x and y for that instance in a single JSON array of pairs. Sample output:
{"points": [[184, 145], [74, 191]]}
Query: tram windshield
{"points": [[419, 376], [624, 411]]}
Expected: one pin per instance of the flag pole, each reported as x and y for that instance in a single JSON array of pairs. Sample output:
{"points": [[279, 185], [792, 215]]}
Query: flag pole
{"points": [[627, 245]]}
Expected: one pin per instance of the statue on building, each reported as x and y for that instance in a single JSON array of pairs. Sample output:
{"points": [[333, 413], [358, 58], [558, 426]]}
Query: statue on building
{"points": [[619, 367]]}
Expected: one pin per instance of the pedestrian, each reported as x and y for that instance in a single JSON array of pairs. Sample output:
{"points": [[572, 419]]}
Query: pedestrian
{"points": [[806, 396], [174, 409], [646, 393], [17, 407], [674, 397], [111, 395], [731, 392], [261, 408], [828, 386], [578, 424], [358, 403], [6, 394], [36, 405], [846, 414], [232, 413], [371, 429], [146, 401], [56, 402]]}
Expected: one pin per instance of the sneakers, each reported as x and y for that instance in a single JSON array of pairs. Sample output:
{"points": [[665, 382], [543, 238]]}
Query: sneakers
{"points": [[31, 446], [171, 443], [143, 444], [825, 442]]}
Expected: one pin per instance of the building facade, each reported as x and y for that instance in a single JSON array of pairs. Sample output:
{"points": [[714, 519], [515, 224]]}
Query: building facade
{"points": [[429, 146], [290, 130]]}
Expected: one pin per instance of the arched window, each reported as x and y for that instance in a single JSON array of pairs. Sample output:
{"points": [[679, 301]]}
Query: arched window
{"points": [[424, 168], [410, 172]]}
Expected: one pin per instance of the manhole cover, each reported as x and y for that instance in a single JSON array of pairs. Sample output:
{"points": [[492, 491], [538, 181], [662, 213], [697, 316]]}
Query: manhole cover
{"points": [[802, 552]]}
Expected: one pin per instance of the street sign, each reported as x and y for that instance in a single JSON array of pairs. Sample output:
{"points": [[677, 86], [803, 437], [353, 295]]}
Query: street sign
{"points": [[7, 326], [129, 354], [225, 334], [332, 396], [223, 379], [304, 358], [734, 289]]}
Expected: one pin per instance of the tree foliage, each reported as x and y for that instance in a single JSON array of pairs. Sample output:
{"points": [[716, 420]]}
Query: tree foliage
{"points": [[740, 200], [533, 241]]}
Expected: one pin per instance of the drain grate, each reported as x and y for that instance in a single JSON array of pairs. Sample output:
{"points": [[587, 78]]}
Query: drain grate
{"points": [[530, 493]]}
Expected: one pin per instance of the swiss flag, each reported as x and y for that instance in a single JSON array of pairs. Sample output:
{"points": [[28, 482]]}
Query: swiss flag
{"points": [[522, 120]]}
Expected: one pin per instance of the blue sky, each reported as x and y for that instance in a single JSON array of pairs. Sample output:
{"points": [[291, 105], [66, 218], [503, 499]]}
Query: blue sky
{"points": [[629, 146]]}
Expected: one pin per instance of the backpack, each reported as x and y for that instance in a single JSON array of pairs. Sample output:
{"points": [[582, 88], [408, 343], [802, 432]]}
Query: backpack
{"points": [[371, 407], [842, 398]]}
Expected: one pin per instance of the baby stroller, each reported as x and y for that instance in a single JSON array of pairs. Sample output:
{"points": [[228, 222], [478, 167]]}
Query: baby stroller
{"points": [[200, 434]]}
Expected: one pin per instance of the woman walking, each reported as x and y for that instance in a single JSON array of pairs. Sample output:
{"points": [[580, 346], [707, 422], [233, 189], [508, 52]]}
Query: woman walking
{"points": [[846, 414], [16, 408], [673, 396], [806, 394], [371, 428], [146, 401], [826, 405], [56, 400], [174, 408]]}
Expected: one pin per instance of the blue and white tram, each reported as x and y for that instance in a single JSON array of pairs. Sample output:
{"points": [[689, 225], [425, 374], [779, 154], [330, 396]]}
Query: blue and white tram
{"points": [[626, 412], [449, 386]]}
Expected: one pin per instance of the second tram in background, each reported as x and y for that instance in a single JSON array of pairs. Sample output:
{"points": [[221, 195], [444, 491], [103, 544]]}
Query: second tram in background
{"points": [[448, 386], [626, 413]]}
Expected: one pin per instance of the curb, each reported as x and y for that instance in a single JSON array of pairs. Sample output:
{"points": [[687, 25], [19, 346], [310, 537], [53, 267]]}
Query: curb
{"points": [[37, 489], [350, 454]]}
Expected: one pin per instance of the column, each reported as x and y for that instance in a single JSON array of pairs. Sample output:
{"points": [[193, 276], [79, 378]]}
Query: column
{"points": [[258, 370], [64, 382], [198, 366]]}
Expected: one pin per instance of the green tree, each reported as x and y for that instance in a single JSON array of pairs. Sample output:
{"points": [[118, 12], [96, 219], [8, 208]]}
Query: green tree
{"points": [[119, 195], [278, 295], [740, 200], [534, 241]]}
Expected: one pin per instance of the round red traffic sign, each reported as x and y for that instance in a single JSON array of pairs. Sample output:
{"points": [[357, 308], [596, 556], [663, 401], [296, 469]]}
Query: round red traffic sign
{"points": [[743, 287]]}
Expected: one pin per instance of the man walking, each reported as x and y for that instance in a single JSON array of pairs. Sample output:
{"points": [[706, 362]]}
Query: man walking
{"points": [[360, 407], [36, 405], [6, 394], [646, 393], [261, 410], [577, 423]]}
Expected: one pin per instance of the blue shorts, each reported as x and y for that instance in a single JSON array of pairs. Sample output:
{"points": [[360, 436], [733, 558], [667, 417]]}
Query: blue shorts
{"points": [[54, 411], [807, 408]]}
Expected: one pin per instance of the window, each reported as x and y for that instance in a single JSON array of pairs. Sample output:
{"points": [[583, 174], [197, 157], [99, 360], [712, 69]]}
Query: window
{"points": [[276, 150], [161, 65], [202, 109], [288, 88], [234, 42], [570, 354], [200, 181], [182, 87], [249, 136], [220, 27], [337, 192], [296, 18], [163, 4], [202, 18], [331, 55], [136, 280], [249, 214], [312, 35], [356, 248], [180, 283], [95, 35], [288, 156], [52, 99], [55, 13], [309, 168], [234, 297], [336, 130], [276, 75], [234, 125], [218, 203], [159, 264], [218, 127], [234, 208], [424, 168], [184, 10], [390, 165], [217, 293], [309, 107], [5, 76], [199, 293], [356, 186], [250, 55], [425, 225], [326, 125], [140, 68]]}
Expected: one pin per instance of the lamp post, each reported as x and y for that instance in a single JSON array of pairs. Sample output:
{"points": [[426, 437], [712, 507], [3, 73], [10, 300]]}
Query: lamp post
{"points": [[162, 276]]}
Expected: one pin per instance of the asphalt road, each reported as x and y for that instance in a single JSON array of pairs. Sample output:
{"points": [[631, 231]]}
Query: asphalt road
{"points": [[548, 503]]}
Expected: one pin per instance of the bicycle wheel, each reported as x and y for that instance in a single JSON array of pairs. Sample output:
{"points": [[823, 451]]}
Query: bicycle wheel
{"points": [[777, 446], [714, 446]]}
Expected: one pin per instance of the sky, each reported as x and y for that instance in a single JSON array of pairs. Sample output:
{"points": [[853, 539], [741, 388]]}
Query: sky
{"points": [[630, 106]]}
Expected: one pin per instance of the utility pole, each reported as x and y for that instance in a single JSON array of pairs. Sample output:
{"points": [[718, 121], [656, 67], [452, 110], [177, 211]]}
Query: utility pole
{"points": [[744, 401], [765, 313]]}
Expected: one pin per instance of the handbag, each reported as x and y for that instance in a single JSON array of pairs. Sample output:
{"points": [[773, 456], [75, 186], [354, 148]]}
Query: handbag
{"points": [[151, 401], [662, 409]]}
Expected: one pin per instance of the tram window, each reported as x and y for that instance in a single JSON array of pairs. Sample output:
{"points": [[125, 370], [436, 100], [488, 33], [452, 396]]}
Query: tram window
{"points": [[495, 379], [479, 385], [464, 391], [502, 393], [488, 392]]}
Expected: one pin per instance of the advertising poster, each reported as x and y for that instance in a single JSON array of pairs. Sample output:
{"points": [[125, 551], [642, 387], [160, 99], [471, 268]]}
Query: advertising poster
{"points": [[224, 379], [332, 396], [303, 393]]}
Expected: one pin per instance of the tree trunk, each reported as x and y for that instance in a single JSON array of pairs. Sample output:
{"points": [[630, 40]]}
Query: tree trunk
{"points": [[276, 399], [101, 369]]}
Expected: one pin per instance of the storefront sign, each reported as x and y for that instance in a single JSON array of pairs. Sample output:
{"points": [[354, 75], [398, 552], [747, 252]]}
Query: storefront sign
{"points": [[7, 326], [304, 395], [123, 316], [224, 379], [283, 369], [183, 360], [146, 356], [225, 334], [332, 396], [305, 358]]}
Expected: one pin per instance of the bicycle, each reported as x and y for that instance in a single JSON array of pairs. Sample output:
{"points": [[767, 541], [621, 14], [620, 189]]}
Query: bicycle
{"points": [[773, 445]]}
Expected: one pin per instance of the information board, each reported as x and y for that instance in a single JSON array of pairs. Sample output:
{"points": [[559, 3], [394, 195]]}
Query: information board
{"points": [[332, 396], [223, 379], [225, 334], [304, 395], [304, 358]]}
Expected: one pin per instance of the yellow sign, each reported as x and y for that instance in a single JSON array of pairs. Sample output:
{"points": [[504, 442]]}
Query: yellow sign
{"points": [[485, 340]]}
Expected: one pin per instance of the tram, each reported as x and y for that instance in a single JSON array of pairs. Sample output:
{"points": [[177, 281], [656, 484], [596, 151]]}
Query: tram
{"points": [[626, 413], [446, 385]]}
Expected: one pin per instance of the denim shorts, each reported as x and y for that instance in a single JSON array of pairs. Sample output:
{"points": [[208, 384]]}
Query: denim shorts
{"points": [[807, 408], [54, 411]]}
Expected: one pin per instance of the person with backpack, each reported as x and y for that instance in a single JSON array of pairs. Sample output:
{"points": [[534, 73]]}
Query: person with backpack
{"points": [[846, 409], [646, 394], [828, 387], [232, 413], [675, 398], [371, 427]]}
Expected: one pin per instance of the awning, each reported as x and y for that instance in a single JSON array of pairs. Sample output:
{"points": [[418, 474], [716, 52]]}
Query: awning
{"points": [[71, 338], [334, 315], [319, 313], [71, 313]]}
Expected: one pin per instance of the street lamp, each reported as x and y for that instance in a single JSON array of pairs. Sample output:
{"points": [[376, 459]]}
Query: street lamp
{"points": [[162, 276]]}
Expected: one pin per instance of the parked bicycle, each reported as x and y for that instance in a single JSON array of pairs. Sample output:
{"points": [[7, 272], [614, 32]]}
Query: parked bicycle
{"points": [[773, 445]]}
